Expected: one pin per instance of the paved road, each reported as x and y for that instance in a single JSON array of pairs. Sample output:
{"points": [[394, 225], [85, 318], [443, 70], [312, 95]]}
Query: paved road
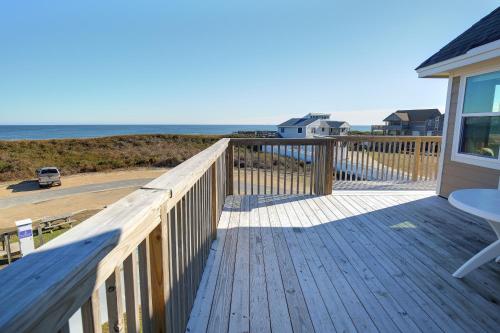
{"points": [[44, 195]]}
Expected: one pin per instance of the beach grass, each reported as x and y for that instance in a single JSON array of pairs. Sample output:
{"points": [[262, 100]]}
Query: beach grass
{"points": [[20, 159]]}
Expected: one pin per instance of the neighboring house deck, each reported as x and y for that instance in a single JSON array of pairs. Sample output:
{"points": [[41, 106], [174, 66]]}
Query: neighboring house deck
{"points": [[351, 261], [254, 235]]}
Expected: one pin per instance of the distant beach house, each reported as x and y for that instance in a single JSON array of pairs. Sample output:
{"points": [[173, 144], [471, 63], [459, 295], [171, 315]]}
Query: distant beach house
{"points": [[412, 122], [311, 125]]}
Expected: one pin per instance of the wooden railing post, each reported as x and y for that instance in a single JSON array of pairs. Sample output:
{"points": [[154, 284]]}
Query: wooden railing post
{"points": [[214, 201], [229, 169], [328, 167], [416, 155]]}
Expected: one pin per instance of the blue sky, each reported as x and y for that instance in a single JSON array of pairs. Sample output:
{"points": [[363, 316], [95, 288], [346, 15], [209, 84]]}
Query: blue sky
{"points": [[225, 62]]}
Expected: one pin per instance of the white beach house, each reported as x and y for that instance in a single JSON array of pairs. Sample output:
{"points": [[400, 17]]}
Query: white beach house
{"points": [[311, 125]]}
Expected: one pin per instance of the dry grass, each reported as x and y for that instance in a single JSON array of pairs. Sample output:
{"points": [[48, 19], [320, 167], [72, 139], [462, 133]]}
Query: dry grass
{"points": [[20, 159]]}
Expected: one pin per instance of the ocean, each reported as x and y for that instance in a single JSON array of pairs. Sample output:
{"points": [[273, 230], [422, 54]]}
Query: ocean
{"points": [[41, 132]]}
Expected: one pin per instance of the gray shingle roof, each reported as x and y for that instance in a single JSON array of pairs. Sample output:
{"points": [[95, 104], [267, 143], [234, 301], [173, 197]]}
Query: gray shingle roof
{"points": [[415, 115], [297, 122], [485, 31]]}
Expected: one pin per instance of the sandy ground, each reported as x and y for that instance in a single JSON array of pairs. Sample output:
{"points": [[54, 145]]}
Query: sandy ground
{"points": [[73, 203], [23, 187]]}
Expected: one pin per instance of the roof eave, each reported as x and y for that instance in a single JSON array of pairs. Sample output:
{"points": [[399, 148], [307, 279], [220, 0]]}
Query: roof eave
{"points": [[442, 69]]}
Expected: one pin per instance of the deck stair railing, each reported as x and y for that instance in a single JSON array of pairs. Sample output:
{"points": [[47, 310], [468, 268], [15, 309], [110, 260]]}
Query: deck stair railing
{"points": [[157, 240]]}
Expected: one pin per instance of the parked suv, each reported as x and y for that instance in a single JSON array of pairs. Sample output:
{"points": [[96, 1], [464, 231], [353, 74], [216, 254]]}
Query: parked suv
{"points": [[48, 176]]}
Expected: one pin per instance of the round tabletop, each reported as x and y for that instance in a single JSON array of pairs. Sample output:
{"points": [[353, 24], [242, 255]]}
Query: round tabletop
{"points": [[484, 203]]}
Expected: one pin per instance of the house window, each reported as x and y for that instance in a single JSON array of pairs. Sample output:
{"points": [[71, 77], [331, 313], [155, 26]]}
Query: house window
{"points": [[322, 129], [478, 122], [299, 130], [282, 129]]}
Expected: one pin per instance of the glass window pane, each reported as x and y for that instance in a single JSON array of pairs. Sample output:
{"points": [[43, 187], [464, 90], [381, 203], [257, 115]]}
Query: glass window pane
{"points": [[481, 136], [482, 93]]}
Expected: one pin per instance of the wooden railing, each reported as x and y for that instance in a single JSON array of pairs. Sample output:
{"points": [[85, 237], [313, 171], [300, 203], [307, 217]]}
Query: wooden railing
{"points": [[393, 158], [281, 166], [156, 239]]}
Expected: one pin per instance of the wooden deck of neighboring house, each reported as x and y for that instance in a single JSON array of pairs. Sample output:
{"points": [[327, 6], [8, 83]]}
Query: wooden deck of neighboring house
{"points": [[361, 261]]}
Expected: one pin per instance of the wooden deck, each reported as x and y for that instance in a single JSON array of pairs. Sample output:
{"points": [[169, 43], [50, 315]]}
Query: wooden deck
{"points": [[352, 261]]}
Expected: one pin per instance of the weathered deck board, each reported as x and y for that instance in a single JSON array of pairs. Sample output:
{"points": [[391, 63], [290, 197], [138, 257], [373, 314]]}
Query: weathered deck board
{"points": [[361, 261]]}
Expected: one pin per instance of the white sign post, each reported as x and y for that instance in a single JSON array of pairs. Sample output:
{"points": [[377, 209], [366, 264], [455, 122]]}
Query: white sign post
{"points": [[25, 234]]}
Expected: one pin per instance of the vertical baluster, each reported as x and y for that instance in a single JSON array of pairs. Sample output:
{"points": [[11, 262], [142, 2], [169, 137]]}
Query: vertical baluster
{"points": [[131, 292], [175, 267], [384, 157], [180, 263], [342, 173], [367, 157], [428, 152], [403, 168], [418, 158], [351, 168], [357, 160], [91, 314], [311, 169], [239, 176], [336, 156], [189, 224], [114, 301], [373, 151], [392, 159], [278, 171], [246, 167], [258, 169], [438, 153], [329, 167], [285, 169], [292, 160], [264, 149], [304, 188], [379, 148], [411, 151], [145, 286], [388, 155], [272, 168], [230, 170], [399, 160], [251, 170], [199, 222], [298, 170]]}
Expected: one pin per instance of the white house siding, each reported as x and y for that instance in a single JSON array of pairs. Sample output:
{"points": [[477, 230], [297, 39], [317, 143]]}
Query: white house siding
{"points": [[292, 132]]}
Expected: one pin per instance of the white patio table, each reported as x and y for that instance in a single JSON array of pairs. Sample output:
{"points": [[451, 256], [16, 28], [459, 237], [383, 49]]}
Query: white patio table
{"points": [[484, 203]]}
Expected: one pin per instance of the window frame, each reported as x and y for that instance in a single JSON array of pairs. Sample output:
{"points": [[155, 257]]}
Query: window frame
{"points": [[299, 130], [456, 156]]}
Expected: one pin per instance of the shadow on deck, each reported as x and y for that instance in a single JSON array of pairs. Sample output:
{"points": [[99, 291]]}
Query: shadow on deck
{"points": [[351, 261]]}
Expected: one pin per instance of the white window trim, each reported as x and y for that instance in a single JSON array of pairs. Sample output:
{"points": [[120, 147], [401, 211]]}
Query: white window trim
{"points": [[466, 158]]}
